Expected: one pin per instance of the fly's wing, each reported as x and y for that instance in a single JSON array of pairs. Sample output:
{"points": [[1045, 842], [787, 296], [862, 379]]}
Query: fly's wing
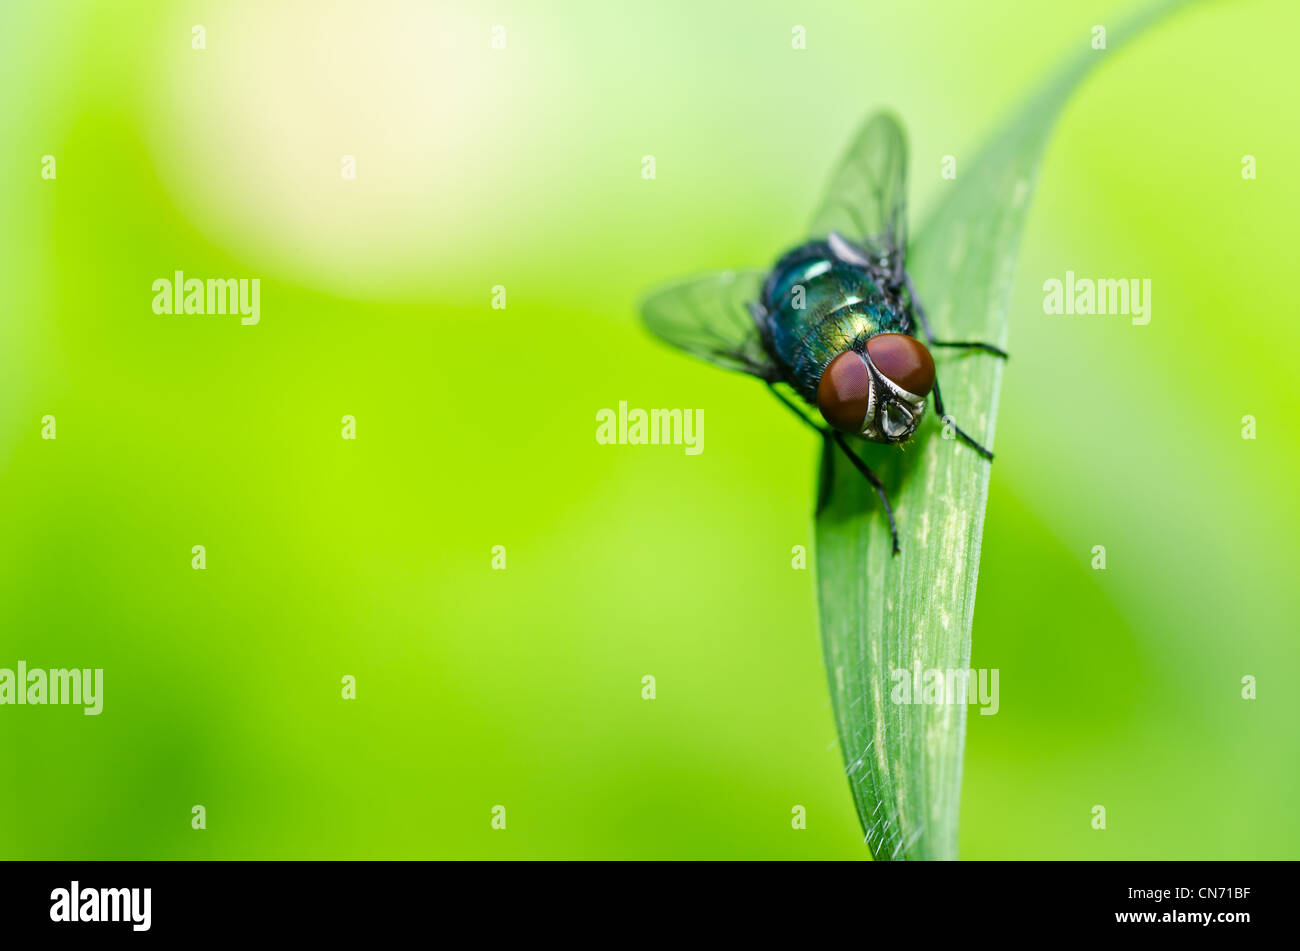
{"points": [[709, 317], [867, 198]]}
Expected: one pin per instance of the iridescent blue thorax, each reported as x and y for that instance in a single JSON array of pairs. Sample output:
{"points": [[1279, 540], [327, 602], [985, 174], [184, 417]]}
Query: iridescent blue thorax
{"points": [[817, 306]]}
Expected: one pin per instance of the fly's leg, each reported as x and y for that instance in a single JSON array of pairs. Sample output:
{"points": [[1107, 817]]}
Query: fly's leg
{"points": [[916, 308], [875, 484], [971, 345], [828, 435], [824, 486], [938, 407], [794, 409]]}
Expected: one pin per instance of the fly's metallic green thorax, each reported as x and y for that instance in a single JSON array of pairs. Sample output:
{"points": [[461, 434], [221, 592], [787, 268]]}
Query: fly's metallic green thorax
{"points": [[817, 306]]}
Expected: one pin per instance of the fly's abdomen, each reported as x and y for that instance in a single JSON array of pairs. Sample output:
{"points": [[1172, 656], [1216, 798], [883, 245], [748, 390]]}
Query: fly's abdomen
{"points": [[817, 308]]}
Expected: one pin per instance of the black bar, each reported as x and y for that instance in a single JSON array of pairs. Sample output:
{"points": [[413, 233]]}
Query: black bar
{"points": [[977, 901]]}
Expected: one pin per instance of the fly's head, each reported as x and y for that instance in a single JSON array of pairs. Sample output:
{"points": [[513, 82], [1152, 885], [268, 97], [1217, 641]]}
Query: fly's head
{"points": [[878, 394]]}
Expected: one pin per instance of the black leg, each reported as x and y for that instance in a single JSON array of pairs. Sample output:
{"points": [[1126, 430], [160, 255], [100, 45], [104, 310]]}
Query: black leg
{"points": [[919, 311], [823, 492], [968, 345], [938, 407], [875, 483], [916, 308], [826, 476], [794, 409]]}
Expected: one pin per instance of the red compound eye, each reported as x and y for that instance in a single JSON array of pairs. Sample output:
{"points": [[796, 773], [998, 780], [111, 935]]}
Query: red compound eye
{"points": [[904, 361], [844, 393]]}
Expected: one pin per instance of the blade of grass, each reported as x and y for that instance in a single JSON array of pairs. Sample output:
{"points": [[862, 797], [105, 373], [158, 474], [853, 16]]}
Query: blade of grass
{"points": [[881, 613]]}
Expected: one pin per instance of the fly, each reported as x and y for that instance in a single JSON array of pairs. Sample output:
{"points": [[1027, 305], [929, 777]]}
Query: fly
{"points": [[835, 319]]}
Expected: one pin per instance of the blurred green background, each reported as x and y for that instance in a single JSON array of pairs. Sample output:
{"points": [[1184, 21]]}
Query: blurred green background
{"points": [[521, 167]]}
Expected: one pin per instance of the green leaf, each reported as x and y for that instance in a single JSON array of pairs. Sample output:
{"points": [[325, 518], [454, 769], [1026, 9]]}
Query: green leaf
{"points": [[882, 613]]}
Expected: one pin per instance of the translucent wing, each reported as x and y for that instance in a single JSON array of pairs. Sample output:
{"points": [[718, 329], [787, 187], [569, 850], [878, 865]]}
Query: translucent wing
{"points": [[867, 198], [709, 317]]}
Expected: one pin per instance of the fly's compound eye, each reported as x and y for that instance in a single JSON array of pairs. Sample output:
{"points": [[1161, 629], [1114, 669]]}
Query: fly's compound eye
{"points": [[844, 394], [904, 361]]}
